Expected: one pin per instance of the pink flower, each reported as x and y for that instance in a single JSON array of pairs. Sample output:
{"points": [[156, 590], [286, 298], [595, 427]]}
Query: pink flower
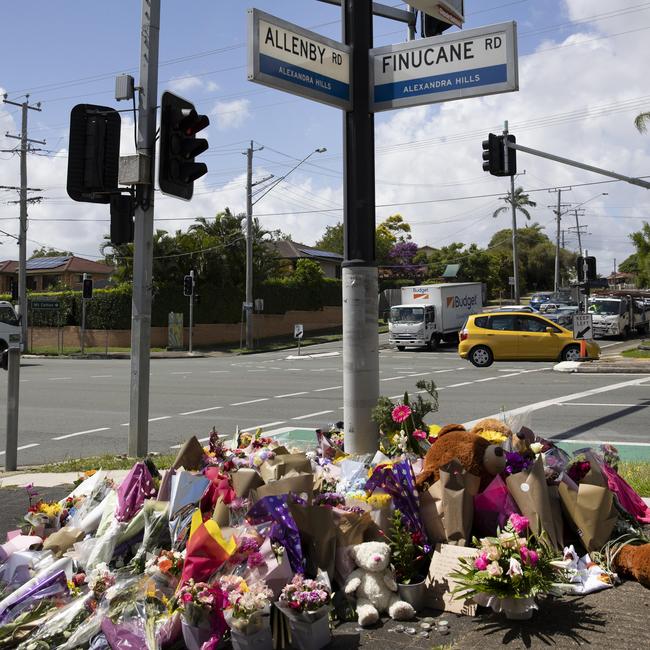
{"points": [[494, 569], [481, 562], [533, 558], [401, 413], [519, 523], [186, 597], [419, 434]]}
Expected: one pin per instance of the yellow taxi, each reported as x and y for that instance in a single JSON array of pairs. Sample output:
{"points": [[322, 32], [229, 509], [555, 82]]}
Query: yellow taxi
{"points": [[518, 336]]}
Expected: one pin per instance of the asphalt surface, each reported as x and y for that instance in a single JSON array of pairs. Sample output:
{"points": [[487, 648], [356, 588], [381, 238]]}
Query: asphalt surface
{"points": [[75, 407]]}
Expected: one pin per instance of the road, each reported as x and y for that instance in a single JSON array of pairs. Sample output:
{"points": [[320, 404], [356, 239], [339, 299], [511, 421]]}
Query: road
{"points": [[72, 408]]}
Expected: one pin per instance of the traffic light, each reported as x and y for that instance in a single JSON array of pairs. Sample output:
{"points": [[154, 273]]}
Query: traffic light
{"points": [[188, 285], [430, 26], [494, 156], [179, 146], [93, 153], [591, 268], [87, 288], [121, 219]]}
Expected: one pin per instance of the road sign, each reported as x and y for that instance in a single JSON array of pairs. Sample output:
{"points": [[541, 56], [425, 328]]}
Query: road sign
{"points": [[259, 304], [511, 280], [583, 326], [298, 331], [464, 64], [45, 304], [302, 62]]}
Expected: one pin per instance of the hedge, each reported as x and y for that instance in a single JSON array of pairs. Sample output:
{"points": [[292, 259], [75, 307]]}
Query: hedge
{"points": [[111, 308]]}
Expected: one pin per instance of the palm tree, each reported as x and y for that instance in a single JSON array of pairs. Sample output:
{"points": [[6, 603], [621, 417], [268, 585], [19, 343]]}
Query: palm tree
{"points": [[641, 122], [522, 201]]}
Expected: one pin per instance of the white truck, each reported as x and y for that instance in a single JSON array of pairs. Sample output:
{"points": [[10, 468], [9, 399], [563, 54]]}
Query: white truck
{"points": [[431, 312], [618, 316], [9, 326]]}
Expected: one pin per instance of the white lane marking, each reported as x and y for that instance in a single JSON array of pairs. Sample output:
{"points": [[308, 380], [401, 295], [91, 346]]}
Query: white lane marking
{"points": [[417, 374], [184, 372], [294, 369], [564, 398], [478, 381], [81, 433], [100, 376], [461, 368], [322, 390], [33, 444], [311, 415], [57, 378], [214, 372], [210, 408], [603, 404], [302, 392], [392, 378], [581, 441], [263, 426], [318, 369], [608, 345], [462, 383], [437, 372], [250, 401], [162, 417], [24, 380], [259, 370]]}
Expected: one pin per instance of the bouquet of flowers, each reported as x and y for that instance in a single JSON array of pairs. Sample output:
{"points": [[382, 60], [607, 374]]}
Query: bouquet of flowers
{"points": [[409, 557], [508, 566], [305, 599], [246, 607], [247, 553], [403, 425], [198, 602]]}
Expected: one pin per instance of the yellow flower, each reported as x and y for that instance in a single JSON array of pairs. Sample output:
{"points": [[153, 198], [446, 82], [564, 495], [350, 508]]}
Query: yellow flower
{"points": [[50, 509], [434, 430], [493, 437]]}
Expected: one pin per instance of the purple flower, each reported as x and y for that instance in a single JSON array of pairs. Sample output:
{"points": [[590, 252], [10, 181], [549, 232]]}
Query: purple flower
{"points": [[516, 463]]}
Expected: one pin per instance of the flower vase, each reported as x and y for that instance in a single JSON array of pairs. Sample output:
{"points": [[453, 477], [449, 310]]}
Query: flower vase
{"points": [[310, 635], [260, 640], [518, 609], [195, 636], [414, 594]]}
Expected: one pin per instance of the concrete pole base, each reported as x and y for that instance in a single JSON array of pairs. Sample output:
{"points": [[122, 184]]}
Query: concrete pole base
{"points": [[360, 358]]}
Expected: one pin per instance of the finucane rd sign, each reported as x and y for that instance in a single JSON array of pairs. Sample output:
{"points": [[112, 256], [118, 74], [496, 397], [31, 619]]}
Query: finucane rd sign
{"points": [[285, 56], [464, 64]]}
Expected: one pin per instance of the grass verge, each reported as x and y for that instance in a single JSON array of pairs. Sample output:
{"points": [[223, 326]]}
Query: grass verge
{"points": [[637, 474], [635, 353], [52, 351], [106, 461]]}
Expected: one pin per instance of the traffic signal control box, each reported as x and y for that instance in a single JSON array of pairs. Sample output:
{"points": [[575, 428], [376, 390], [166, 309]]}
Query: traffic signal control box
{"points": [[179, 146]]}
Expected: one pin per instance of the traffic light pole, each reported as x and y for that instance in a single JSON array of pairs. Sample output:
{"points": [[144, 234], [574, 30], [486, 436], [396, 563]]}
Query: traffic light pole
{"points": [[248, 307], [83, 318], [143, 240], [360, 279], [191, 312], [13, 394], [558, 214]]}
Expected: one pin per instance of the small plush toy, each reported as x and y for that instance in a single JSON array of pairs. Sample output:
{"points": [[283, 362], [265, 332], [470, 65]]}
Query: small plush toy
{"points": [[475, 454], [374, 585], [634, 562]]}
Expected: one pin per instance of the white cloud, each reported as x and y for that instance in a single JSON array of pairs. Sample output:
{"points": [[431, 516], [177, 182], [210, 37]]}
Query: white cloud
{"points": [[231, 114], [183, 84]]}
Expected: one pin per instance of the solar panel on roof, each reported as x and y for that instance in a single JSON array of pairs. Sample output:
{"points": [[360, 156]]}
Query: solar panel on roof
{"points": [[317, 253], [46, 262]]}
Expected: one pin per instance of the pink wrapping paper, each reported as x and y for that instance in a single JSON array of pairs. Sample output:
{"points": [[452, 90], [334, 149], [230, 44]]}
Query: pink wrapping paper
{"points": [[627, 498], [492, 507]]}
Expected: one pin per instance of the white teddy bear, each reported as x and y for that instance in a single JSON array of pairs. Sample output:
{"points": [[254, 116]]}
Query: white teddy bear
{"points": [[374, 585]]}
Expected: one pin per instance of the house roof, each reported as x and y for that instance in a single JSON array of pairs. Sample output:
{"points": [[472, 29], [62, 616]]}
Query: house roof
{"points": [[292, 250], [73, 264]]}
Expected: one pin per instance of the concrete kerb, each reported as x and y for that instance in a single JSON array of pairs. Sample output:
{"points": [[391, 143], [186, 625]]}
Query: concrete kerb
{"points": [[613, 365], [51, 479]]}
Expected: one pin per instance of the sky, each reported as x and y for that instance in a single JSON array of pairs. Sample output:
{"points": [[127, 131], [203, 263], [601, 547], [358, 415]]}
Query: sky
{"points": [[582, 80]]}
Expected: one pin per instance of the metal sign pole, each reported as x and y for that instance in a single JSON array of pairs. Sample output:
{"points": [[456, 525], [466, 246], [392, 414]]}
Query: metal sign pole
{"points": [[83, 319], [13, 391], [191, 311]]}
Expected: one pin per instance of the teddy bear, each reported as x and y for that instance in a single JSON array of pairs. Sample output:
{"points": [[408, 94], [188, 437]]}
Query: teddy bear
{"points": [[475, 453], [633, 561], [374, 585]]}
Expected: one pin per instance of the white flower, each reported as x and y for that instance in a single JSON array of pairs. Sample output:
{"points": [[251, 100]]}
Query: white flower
{"points": [[514, 569], [402, 441], [536, 447]]}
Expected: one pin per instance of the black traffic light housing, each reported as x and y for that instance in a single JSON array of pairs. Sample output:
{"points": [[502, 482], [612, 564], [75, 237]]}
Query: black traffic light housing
{"points": [[93, 153], [87, 288], [494, 156], [179, 146], [188, 285], [430, 26], [122, 226], [591, 268]]}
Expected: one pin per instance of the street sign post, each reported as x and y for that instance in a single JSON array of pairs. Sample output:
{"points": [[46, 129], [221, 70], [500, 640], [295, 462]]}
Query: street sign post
{"points": [[583, 326], [43, 304], [298, 332], [287, 57], [464, 64]]}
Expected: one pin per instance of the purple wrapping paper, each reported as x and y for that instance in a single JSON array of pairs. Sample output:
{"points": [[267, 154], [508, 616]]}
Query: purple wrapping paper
{"points": [[51, 585], [283, 529], [134, 489], [126, 635], [398, 481]]}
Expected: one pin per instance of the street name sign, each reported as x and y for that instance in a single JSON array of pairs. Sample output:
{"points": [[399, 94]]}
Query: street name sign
{"points": [[287, 57], [44, 304], [464, 64], [583, 326]]}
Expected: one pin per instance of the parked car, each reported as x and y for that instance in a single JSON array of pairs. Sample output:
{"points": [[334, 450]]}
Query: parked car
{"points": [[563, 315], [539, 298], [500, 336]]}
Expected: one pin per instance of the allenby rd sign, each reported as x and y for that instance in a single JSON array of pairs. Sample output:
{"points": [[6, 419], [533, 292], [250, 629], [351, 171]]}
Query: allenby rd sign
{"points": [[284, 56], [464, 64]]}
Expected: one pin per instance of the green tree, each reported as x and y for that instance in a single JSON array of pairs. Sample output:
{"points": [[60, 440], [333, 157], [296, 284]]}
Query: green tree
{"points": [[641, 241], [48, 251], [332, 239], [630, 264], [521, 201], [641, 122]]}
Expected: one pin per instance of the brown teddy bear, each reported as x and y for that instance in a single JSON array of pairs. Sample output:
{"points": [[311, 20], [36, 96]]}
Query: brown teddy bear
{"points": [[634, 562], [475, 454]]}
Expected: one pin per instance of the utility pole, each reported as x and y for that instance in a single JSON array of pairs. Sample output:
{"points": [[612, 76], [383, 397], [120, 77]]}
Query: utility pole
{"points": [[248, 301], [143, 239], [360, 279], [515, 255], [558, 218], [578, 231], [22, 239]]}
